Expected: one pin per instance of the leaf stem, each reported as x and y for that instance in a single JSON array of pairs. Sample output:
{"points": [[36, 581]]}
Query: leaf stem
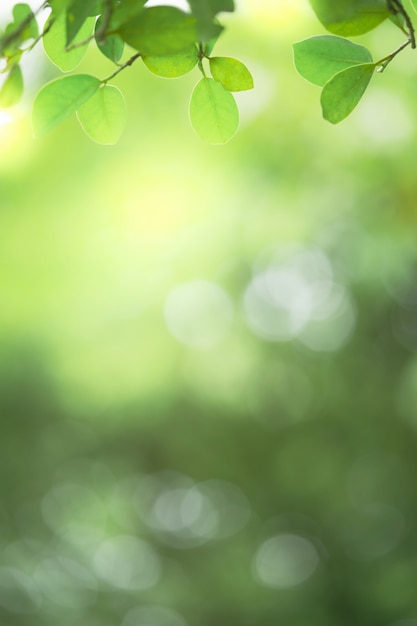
{"points": [[201, 56], [128, 63], [382, 63], [41, 35]]}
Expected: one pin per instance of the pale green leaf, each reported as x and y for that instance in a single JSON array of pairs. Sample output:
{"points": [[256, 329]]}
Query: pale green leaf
{"points": [[414, 4], [317, 59], [213, 112], [111, 46], [174, 65], [103, 116], [342, 93], [12, 88], [350, 17], [231, 73], [54, 43], [61, 98], [160, 30]]}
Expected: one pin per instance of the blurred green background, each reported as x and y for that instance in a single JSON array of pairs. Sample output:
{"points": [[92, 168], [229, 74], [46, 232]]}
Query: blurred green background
{"points": [[208, 354]]}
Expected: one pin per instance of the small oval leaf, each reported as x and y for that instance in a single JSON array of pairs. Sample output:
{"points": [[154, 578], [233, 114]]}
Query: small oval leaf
{"points": [[103, 116], [213, 112], [12, 88], [111, 46], [54, 42], [342, 93], [59, 99], [231, 73], [319, 58], [173, 65]]}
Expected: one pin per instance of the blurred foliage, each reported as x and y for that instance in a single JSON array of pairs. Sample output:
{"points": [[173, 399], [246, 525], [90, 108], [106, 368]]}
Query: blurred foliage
{"points": [[208, 356]]}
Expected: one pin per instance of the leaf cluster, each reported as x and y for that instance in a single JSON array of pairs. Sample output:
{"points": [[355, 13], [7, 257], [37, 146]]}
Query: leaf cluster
{"points": [[342, 68], [170, 42]]}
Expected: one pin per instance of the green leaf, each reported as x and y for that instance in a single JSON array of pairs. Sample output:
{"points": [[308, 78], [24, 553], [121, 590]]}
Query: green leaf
{"points": [[319, 58], [205, 12], [231, 73], [350, 17], [24, 16], [211, 42], [58, 6], [398, 20], [159, 31], [111, 46], [342, 93], [59, 99], [213, 112], [174, 65], [23, 27], [77, 13], [12, 88], [103, 116], [54, 42], [123, 13], [96, 7], [414, 4]]}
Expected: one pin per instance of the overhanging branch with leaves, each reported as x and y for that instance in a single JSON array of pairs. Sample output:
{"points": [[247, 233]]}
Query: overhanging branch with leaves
{"points": [[171, 43]]}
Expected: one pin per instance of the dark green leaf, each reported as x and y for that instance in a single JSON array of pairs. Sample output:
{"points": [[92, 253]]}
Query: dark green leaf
{"points": [[211, 42], [123, 13], [77, 12], [350, 17], [160, 30], [205, 12], [319, 58], [61, 98], [111, 46], [343, 92]]}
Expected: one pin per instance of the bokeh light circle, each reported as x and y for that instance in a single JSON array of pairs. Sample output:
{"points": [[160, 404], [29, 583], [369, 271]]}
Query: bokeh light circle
{"points": [[285, 561], [199, 314], [18, 592], [126, 562]]}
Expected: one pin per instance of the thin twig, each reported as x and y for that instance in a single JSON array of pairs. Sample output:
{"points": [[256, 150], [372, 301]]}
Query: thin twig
{"points": [[128, 63], [387, 60], [396, 7]]}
